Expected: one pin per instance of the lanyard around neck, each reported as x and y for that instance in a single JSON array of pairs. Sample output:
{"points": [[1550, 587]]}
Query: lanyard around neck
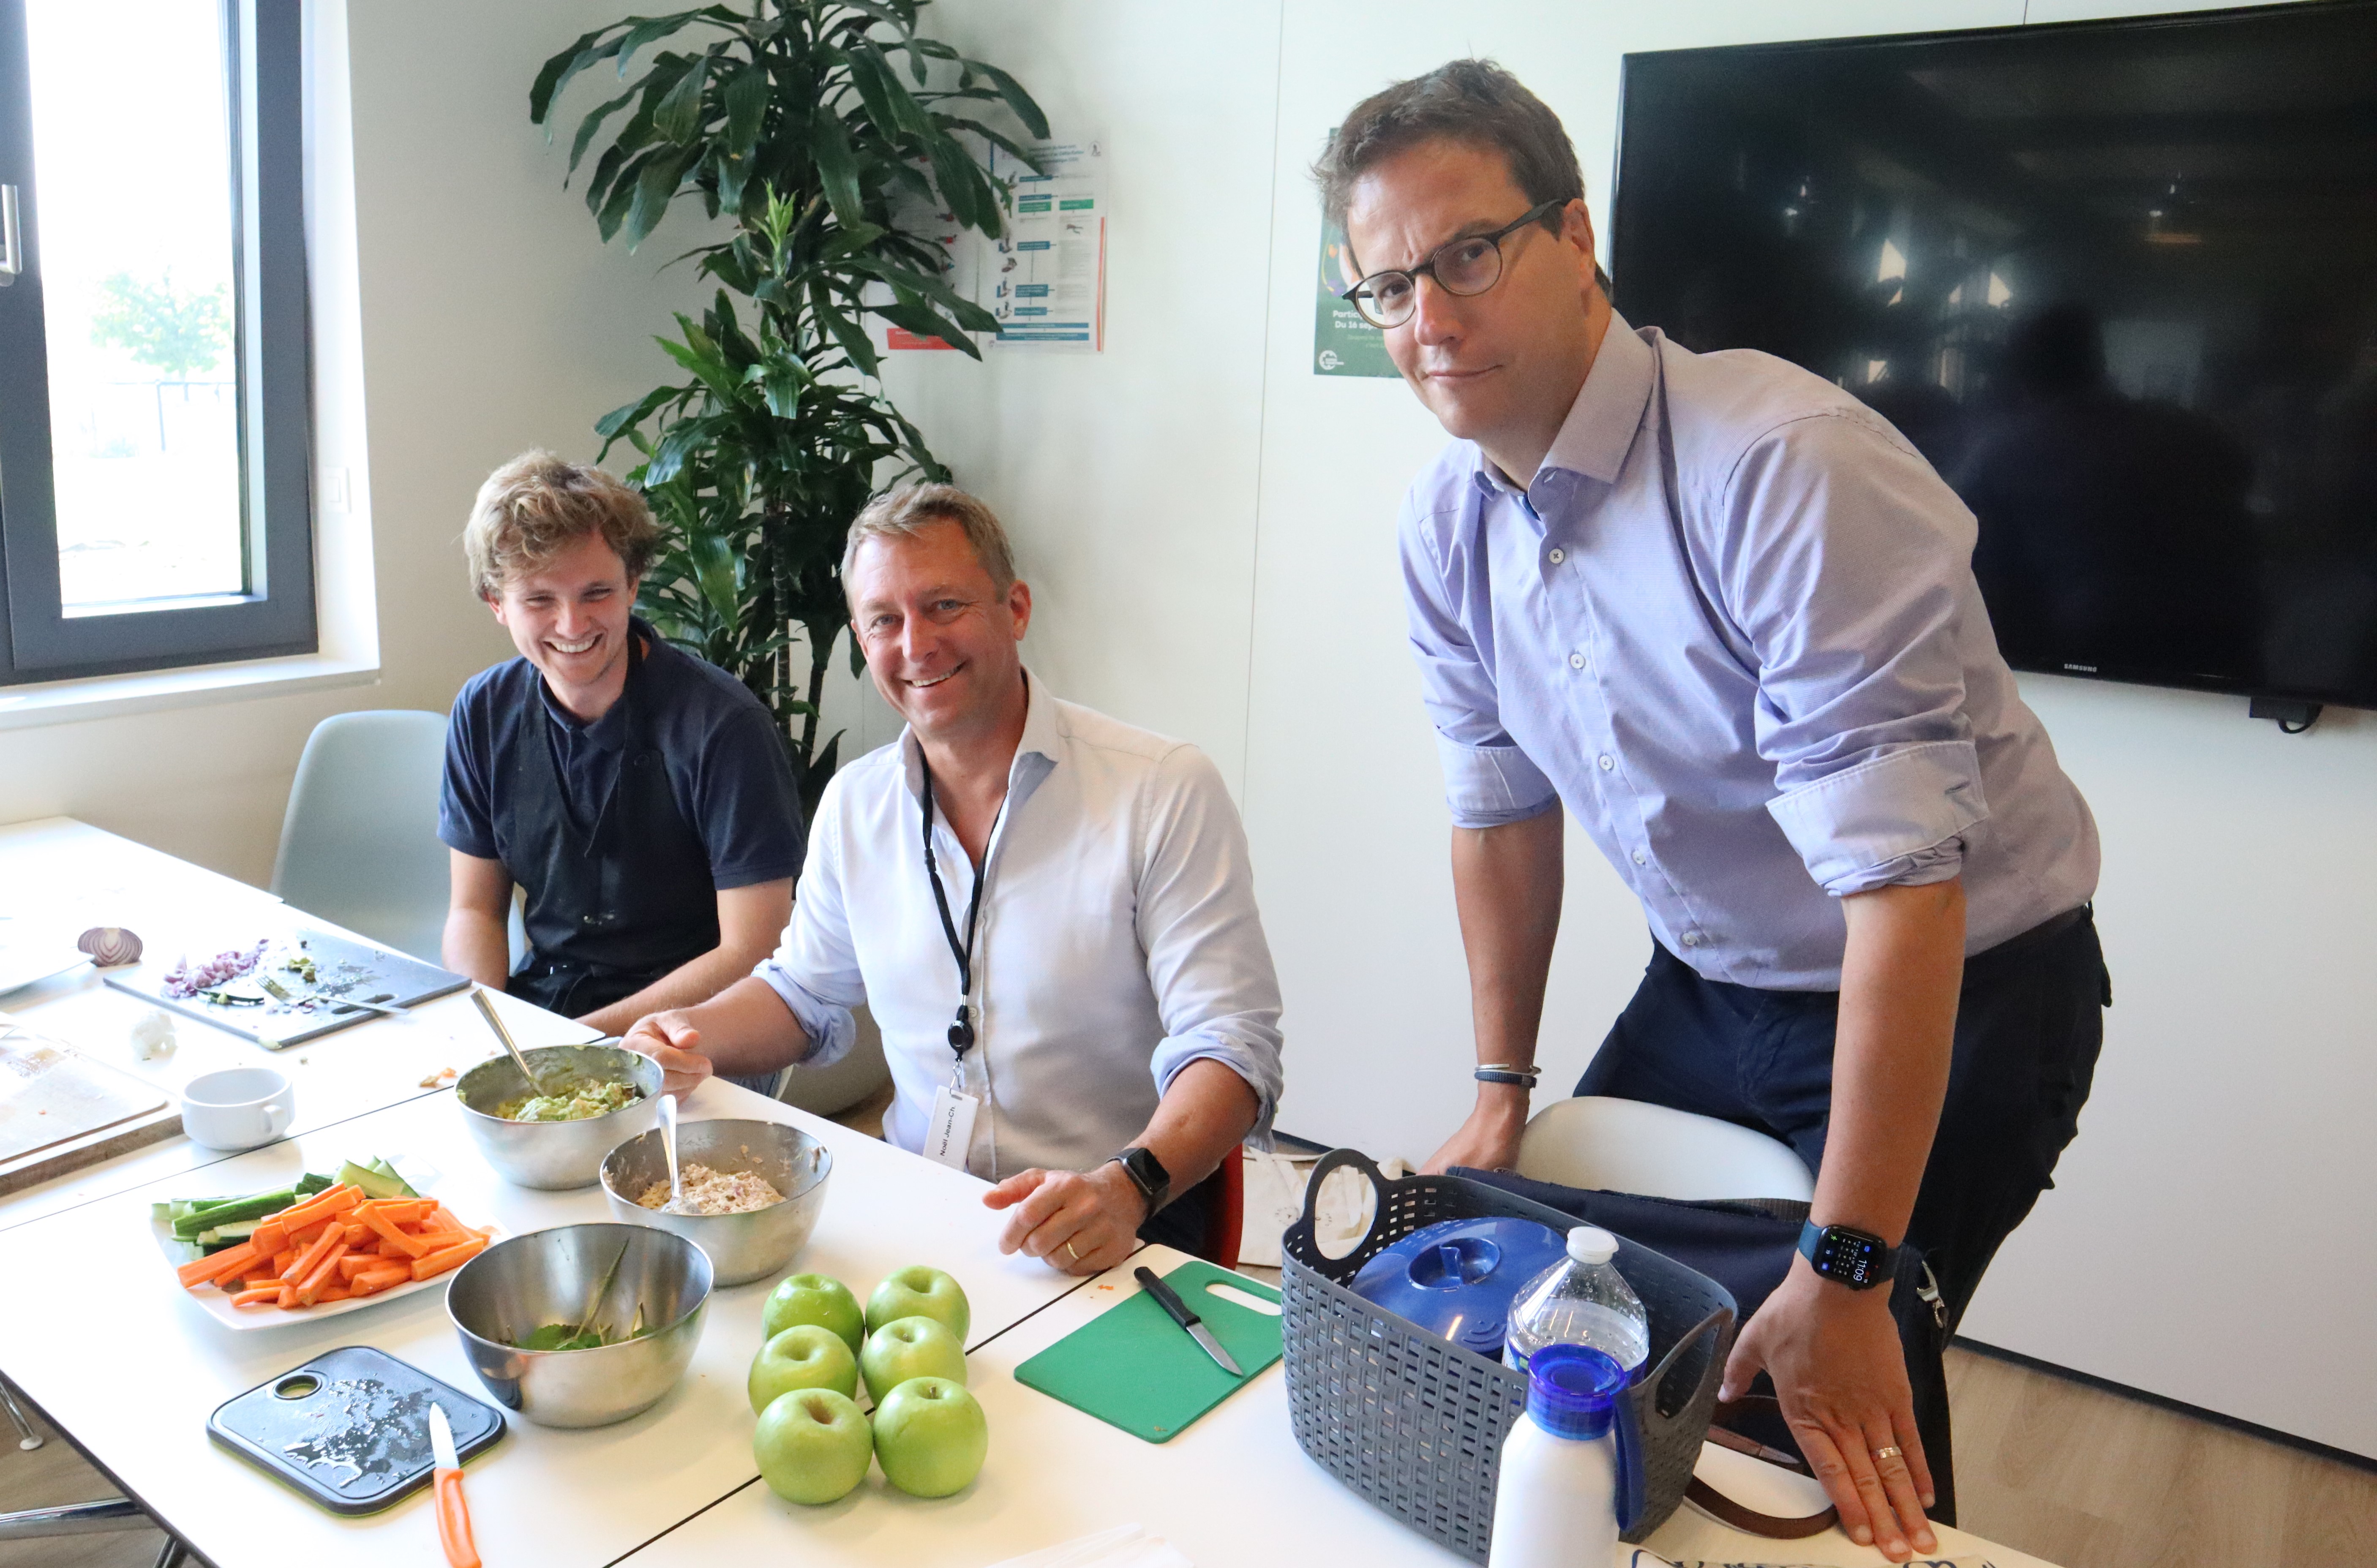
{"points": [[961, 1028]]}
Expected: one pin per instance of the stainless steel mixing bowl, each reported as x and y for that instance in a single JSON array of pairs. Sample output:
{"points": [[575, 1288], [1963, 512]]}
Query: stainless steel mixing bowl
{"points": [[517, 1285], [742, 1247], [556, 1154]]}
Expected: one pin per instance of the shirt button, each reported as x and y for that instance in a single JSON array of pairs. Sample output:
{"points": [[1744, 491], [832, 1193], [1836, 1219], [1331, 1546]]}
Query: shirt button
{"points": [[1640, 858], [1557, 555], [1692, 939], [1607, 762], [1576, 662]]}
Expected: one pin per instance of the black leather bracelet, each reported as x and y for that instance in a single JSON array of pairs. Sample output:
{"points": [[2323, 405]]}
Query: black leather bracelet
{"points": [[1523, 1078]]}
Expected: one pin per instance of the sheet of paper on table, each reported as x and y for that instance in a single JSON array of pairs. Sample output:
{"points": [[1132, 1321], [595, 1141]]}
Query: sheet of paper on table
{"points": [[1636, 1557], [1125, 1545]]}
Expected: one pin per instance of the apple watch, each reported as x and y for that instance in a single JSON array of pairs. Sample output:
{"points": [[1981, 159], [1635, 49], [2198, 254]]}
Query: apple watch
{"points": [[1847, 1256], [1146, 1174]]}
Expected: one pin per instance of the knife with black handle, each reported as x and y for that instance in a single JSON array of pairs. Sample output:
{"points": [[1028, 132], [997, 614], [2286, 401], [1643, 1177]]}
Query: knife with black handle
{"points": [[1177, 1309]]}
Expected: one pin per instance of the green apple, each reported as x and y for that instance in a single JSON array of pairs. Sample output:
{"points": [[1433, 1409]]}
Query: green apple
{"points": [[814, 1298], [911, 1348], [931, 1436], [919, 1291], [804, 1356], [813, 1446]]}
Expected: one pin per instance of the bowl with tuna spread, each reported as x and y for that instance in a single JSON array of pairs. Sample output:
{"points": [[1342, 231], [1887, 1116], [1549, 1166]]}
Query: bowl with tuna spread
{"points": [[751, 1191]]}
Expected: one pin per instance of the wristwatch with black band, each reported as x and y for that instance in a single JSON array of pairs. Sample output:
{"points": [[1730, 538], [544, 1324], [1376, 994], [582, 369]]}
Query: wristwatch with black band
{"points": [[1848, 1256], [1146, 1174]]}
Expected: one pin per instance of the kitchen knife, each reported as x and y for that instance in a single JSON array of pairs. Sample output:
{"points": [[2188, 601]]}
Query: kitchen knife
{"points": [[1177, 1309], [453, 1513]]}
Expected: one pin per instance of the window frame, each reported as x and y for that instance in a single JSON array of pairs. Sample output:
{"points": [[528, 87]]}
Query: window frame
{"points": [[275, 616]]}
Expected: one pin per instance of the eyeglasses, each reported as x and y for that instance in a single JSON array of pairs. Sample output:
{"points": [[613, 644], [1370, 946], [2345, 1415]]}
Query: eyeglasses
{"points": [[1465, 266]]}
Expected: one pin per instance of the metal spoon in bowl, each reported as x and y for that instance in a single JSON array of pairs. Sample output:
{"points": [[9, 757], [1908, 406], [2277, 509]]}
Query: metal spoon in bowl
{"points": [[487, 1011], [668, 1152]]}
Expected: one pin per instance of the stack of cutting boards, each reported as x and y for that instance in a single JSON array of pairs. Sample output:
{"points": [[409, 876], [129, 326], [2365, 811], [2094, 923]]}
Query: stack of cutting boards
{"points": [[61, 1110]]}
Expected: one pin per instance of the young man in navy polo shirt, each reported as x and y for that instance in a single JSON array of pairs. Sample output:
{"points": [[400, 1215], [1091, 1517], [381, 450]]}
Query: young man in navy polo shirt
{"points": [[641, 797]]}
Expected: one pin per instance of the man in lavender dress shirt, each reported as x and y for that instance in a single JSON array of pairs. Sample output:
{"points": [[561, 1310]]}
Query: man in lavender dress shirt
{"points": [[1725, 615]]}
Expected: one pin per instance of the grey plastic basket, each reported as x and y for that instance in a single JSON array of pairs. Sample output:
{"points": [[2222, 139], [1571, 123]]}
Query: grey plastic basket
{"points": [[1414, 1423]]}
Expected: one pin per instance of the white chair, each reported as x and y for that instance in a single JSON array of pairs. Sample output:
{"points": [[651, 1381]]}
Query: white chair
{"points": [[1625, 1145], [358, 845]]}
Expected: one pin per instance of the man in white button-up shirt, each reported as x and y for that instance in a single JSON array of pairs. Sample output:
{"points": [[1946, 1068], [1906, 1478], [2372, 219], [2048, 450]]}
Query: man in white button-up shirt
{"points": [[1050, 913]]}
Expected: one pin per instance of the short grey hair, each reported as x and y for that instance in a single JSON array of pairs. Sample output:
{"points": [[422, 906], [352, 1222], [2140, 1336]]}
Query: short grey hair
{"points": [[1475, 102], [907, 512]]}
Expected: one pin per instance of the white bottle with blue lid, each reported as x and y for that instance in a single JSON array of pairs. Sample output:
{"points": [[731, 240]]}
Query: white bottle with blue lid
{"points": [[1583, 1301], [1571, 1481]]}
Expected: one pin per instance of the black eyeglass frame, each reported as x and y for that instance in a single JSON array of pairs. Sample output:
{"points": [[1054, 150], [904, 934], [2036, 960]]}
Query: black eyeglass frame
{"points": [[1536, 214]]}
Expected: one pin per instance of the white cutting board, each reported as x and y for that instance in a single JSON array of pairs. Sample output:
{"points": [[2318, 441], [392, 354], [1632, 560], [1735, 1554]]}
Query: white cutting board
{"points": [[53, 1100]]}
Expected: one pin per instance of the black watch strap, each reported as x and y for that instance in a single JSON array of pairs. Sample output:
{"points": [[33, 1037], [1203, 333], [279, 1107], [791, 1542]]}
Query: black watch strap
{"points": [[1146, 1174], [1848, 1256]]}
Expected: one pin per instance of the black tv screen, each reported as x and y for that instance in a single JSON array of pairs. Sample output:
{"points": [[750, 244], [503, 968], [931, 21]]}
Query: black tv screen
{"points": [[2117, 281]]}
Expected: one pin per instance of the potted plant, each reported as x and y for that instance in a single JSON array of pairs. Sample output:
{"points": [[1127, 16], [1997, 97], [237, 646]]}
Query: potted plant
{"points": [[823, 130]]}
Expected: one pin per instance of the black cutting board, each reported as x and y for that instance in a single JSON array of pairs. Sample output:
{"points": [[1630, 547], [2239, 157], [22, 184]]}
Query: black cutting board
{"points": [[342, 967], [350, 1428]]}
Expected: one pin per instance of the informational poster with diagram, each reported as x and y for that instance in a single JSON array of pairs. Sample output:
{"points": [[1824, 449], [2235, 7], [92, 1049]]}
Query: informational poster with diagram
{"points": [[1342, 343], [1044, 278]]}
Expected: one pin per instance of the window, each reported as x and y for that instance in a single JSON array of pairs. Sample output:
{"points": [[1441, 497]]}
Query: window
{"points": [[155, 508]]}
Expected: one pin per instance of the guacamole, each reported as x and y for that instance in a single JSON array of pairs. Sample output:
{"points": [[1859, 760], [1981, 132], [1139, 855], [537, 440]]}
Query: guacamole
{"points": [[578, 1104]]}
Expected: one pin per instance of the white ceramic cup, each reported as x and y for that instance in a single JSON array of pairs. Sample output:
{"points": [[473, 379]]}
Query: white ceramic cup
{"points": [[238, 1108]]}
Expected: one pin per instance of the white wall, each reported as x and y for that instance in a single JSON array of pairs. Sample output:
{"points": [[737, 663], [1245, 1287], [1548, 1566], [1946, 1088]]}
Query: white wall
{"points": [[1209, 527], [488, 318], [2239, 900]]}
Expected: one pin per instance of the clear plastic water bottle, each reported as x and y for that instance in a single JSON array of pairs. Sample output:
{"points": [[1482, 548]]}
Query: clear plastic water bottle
{"points": [[1583, 1301], [1570, 1480]]}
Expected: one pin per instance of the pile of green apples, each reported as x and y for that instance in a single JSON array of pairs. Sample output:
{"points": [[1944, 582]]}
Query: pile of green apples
{"points": [[813, 1441]]}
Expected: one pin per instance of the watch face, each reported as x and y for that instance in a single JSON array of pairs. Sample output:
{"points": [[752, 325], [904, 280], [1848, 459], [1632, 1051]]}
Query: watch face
{"points": [[1852, 1259]]}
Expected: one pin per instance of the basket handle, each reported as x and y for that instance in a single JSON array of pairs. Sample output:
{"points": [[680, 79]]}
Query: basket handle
{"points": [[1338, 1159], [1718, 1323]]}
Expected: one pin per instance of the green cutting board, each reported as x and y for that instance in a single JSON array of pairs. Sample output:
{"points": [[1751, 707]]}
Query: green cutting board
{"points": [[1134, 1368]]}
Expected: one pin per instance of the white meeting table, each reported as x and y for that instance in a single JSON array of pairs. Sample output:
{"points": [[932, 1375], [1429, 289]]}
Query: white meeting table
{"points": [[98, 1333]]}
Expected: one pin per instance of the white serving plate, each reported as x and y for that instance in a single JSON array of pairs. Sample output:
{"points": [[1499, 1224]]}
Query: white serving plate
{"points": [[217, 1305]]}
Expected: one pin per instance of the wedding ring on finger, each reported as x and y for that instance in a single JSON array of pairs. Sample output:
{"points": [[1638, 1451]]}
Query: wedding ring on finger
{"points": [[1076, 1257], [1891, 1452]]}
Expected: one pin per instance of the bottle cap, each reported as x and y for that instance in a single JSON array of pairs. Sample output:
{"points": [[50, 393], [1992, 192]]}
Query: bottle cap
{"points": [[1591, 1243], [1573, 1390]]}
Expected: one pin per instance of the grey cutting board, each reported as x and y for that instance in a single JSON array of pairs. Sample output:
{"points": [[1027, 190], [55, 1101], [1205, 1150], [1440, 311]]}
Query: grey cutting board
{"points": [[345, 967]]}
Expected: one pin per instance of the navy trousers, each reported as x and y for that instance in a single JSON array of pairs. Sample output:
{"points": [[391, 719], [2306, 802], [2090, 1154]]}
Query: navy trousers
{"points": [[2029, 1024]]}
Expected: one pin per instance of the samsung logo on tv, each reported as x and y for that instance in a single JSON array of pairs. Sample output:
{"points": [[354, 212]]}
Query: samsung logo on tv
{"points": [[2083, 669]]}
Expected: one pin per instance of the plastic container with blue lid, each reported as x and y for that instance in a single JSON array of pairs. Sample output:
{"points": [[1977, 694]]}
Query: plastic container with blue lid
{"points": [[1457, 1278]]}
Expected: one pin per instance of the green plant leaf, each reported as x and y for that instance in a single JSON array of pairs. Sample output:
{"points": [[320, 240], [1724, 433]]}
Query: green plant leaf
{"points": [[715, 568], [745, 98], [846, 332], [592, 122], [656, 186], [961, 185], [1021, 102], [837, 167], [557, 72], [679, 116]]}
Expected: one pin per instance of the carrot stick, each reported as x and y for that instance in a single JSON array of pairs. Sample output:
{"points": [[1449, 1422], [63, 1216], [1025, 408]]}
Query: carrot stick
{"points": [[331, 1293], [299, 1271], [271, 1237], [282, 1259], [443, 1218], [258, 1297], [436, 1264], [379, 1279], [354, 1234], [287, 1294], [218, 1266], [310, 1288], [321, 1206], [397, 1210], [393, 1238], [355, 1263]]}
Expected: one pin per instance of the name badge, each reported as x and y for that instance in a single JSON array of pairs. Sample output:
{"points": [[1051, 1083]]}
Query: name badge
{"points": [[949, 1132]]}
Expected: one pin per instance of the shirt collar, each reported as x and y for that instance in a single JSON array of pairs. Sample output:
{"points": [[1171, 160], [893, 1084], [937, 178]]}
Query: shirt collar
{"points": [[608, 733], [1040, 749], [1599, 430]]}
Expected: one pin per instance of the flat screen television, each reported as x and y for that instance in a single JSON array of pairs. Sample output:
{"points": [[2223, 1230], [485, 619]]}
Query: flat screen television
{"points": [[2117, 281]]}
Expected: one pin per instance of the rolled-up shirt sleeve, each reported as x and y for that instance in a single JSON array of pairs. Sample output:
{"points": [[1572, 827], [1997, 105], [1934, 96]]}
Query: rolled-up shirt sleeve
{"points": [[1208, 961], [1847, 570], [814, 969], [1487, 779]]}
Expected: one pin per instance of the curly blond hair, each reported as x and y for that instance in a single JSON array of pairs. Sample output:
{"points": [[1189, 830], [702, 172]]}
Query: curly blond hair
{"points": [[537, 505]]}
